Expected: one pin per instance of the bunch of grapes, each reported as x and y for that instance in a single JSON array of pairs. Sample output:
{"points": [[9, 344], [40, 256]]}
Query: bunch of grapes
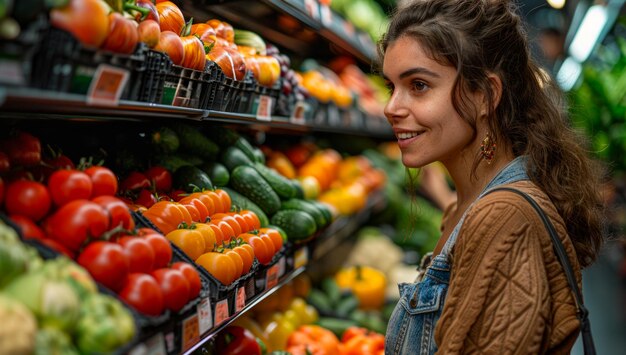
{"points": [[290, 91]]}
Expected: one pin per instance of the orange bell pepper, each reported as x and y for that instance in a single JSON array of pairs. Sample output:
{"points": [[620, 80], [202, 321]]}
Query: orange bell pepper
{"points": [[313, 334]]}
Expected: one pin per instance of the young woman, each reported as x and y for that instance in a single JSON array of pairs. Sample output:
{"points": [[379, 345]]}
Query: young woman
{"points": [[465, 92]]}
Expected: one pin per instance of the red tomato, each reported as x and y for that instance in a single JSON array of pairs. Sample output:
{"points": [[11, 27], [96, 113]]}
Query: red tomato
{"points": [[28, 228], [104, 181], [58, 247], [1, 190], [178, 195], [174, 286], [106, 262], [69, 185], [139, 252], [119, 214], [123, 35], [160, 178], [146, 198], [76, 221], [192, 276], [5, 165], [143, 293], [42, 172], [161, 247], [28, 198], [22, 149], [135, 181]]}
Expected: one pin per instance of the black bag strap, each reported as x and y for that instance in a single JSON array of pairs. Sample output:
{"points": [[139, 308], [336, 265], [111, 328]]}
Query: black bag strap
{"points": [[583, 313]]}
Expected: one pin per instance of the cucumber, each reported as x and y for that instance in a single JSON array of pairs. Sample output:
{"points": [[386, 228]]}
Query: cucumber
{"points": [[336, 325], [281, 185], [172, 162], [259, 156], [245, 147], [223, 136], [332, 290], [320, 301], [165, 140], [188, 177], [247, 181], [302, 205], [233, 157], [298, 225], [217, 172], [346, 306], [298, 188], [322, 208], [244, 203], [193, 141]]}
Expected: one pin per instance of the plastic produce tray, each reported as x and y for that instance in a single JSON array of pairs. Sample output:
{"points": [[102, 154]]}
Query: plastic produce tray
{"points": [[185, 87]]}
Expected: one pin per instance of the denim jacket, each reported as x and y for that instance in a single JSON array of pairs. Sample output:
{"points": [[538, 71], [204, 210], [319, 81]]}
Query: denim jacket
{"points": [[411, 328]]}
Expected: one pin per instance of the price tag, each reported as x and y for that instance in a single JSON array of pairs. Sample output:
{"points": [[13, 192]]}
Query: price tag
{"points": [[241, 299], [11, 72], [312, 8], [191, 332], [205, 318], [152, 346], [221, 311], [281, 266], [348, 27], [107, 85], [301, 257], [170, 345], [264, 109], [271, 278], [326, 14], [297, 116]]}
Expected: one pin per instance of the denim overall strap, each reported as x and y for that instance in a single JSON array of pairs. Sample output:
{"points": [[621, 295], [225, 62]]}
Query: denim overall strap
{"points": [[514, 171]]}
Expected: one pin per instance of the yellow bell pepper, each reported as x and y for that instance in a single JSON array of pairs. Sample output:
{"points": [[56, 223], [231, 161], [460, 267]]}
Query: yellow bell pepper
{"points": [[367, 284]]}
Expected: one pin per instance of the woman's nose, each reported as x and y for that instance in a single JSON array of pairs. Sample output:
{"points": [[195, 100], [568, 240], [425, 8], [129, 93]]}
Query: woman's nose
{"points": [[394, 110]]}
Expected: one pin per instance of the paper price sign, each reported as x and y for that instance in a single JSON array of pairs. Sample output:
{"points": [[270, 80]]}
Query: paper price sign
{"points": [[221, 311], [301, 257], [205, 318], [312, 8], [297, 116], [264, 109], [241, 299], [271, 278], [326, 15], [191, 332], [107, 85]]}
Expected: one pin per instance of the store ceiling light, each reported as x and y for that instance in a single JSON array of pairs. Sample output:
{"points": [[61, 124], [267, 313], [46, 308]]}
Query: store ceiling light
{"points": [[557, 4], [568, 74], [588, 33]]}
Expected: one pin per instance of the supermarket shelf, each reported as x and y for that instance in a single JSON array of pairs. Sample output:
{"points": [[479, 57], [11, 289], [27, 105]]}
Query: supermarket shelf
{"points": [[214, 331], [42, 104], [322, 30]]}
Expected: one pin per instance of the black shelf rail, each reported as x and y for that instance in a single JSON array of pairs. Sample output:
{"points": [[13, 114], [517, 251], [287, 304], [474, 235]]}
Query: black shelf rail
{"points": [[23, 103]]}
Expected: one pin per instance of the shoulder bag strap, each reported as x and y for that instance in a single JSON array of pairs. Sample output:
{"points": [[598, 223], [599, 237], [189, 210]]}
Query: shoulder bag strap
{"points": [[583, 313]]}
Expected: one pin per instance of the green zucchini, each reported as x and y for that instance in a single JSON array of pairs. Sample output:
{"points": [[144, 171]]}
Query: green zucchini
{"points": [[281, 185], [241, 201], [322, 208], [298, 225], [188, 177], [217, 172], [248, 181], [302, 205], [233, 157], [298, 188], [245, 147], [194, 142]]}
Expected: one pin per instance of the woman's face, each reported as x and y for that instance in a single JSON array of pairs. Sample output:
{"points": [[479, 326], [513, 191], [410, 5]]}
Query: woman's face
{"points": [[420, 109]]}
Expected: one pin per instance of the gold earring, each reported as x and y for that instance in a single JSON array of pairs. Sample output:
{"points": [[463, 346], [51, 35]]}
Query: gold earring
{"points": [[488, 148]]}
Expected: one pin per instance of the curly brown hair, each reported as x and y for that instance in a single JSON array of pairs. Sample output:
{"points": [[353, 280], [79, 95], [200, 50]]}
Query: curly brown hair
{"points": [[485, 37]]}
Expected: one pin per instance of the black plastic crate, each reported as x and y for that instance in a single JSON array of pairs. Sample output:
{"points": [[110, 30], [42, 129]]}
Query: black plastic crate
{"points": [[62, 64], [215, 77], [158, 65], [245, 94], [185, 87]]}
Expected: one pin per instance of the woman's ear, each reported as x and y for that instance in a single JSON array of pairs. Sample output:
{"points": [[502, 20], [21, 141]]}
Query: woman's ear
{"points": [[496, 90]]}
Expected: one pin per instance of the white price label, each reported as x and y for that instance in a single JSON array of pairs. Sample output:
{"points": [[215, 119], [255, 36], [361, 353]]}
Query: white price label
{"points": [[299, 111], [107, 85], [205, 316], [152, 346], [264, 109], [312, 8], [326, 14], [301, 257]]}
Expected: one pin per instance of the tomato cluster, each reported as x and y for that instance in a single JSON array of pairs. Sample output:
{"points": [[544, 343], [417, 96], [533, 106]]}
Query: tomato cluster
{"points": [[141, 190]]}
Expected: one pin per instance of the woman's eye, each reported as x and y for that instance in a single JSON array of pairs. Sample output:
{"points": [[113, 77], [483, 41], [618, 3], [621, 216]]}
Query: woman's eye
{"points": [[419, 86]]}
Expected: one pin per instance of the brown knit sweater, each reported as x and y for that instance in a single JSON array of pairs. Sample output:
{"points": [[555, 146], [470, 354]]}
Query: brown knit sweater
{"points": [[508, 293]]}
